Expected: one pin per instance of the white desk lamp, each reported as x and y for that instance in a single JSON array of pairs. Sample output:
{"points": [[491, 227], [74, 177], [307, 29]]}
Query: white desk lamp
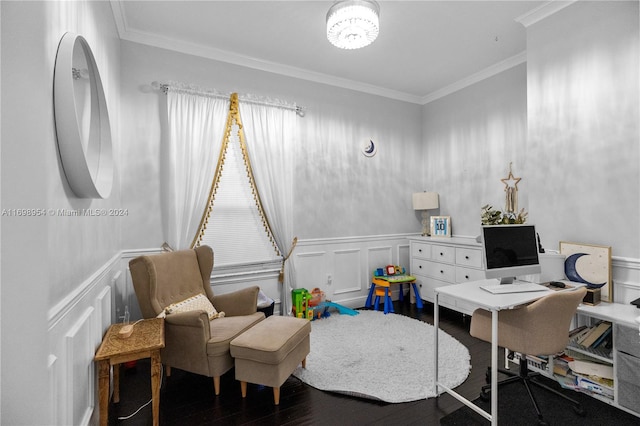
{"points": [[425, 201]]}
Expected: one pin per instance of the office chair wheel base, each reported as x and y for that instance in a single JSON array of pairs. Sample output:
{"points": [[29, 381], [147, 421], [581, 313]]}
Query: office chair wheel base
{"points": [[542, 423], [485, 396], [579, 411]]}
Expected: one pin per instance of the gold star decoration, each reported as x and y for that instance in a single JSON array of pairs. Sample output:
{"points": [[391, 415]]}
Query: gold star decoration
{"points": [[510, 181]]}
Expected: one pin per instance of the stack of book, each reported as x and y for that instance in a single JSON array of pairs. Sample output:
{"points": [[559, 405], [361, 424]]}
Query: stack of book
{"points": [[578, 371], [561, 365], [598, 335]]}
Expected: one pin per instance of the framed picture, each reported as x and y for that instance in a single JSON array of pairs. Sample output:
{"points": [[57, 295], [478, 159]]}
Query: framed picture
{"points": [[441, 226], [589, 264]]}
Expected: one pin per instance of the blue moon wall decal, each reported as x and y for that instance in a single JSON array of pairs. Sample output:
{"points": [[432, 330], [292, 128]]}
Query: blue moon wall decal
{"points": [[369, 149], [572, 273]]}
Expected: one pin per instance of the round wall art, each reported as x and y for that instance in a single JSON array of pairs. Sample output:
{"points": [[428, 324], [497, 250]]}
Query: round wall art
{"points": [[82, 121], [369, 149]]}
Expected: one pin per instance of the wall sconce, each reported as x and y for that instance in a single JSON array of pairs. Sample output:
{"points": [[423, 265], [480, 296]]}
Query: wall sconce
{"points": [[425, 201]]}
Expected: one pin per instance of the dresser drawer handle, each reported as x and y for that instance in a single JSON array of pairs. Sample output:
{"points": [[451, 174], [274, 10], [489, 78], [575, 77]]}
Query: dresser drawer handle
{"points": [[466, 277], [466, 257], [420, 267], [441, 271], [441, 254], [420, 250]]}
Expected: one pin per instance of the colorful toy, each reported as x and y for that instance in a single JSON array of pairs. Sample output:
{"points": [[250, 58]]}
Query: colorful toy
{"points": [[343, 310], [313, 305], [300, 298]]}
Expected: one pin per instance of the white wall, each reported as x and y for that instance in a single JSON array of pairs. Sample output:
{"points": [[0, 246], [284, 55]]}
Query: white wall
{"points": [[583, 117], [338, 191], [568, 120], [469, 139], [47, 261]]}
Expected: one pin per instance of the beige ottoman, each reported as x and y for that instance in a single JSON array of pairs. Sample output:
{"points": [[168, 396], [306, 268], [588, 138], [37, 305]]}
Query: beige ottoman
{"points": [[268, 352]]}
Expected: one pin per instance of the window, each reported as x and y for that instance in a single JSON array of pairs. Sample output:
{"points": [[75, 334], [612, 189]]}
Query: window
{"points": [[234, 227]]}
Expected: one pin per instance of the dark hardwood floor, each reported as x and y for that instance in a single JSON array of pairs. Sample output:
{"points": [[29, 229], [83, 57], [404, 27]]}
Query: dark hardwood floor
{"points": [[188, 399]]}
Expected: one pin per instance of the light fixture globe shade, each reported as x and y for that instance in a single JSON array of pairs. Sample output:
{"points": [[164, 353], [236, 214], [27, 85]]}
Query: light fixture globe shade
{"points": [[353, 24]]}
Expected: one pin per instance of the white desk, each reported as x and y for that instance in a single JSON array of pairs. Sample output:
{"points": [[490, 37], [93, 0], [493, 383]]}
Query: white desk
{"points": [[472, 293]]}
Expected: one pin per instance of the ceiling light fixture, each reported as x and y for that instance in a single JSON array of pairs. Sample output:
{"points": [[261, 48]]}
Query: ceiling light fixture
{"points": [[352, 24]]}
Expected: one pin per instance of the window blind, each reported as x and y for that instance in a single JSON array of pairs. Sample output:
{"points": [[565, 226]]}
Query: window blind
{"points": [[234, 229]]}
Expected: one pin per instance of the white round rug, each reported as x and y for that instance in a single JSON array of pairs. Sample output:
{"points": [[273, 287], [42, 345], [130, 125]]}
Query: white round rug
{"points": [[383, 357]]}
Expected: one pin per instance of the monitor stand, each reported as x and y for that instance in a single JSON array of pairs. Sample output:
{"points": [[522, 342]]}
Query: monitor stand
{"points": [[507, 280]]}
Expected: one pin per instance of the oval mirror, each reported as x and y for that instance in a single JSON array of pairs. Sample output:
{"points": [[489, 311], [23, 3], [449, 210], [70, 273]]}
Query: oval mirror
{"points": [[82, 120]]}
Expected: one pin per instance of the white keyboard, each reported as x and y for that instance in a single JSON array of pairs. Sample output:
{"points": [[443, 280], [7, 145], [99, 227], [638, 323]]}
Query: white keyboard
{"points": [[513, 288]]}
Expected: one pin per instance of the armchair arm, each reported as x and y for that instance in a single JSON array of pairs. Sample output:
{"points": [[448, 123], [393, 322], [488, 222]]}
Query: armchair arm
{"points": [[186, 337], [197, 319], [241, 302]]}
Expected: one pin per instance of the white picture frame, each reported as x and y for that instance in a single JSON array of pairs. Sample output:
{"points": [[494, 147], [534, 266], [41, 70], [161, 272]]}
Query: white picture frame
{"points": [[440, 226]]}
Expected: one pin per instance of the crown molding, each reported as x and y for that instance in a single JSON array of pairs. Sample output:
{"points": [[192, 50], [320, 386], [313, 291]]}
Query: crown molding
{"points": [[543, 12], [490, 71], [125, 33]]}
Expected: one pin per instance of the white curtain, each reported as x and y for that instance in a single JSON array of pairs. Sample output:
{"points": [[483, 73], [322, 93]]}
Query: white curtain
{"points": [[270, 132], [196, 126]]}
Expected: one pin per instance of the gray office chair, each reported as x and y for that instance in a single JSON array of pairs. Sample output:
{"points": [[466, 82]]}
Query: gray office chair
{"points": [[540, 328]]}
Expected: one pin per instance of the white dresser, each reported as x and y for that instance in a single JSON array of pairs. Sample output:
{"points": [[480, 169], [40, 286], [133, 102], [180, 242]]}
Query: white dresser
{"points": [[437, 262]]}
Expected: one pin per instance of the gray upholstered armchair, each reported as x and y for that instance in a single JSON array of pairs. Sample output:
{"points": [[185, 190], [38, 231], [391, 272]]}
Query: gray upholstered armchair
{"points": [[193, 341]]}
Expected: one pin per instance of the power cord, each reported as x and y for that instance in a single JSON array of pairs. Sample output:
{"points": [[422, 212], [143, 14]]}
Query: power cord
{"points": [[148, 402]]}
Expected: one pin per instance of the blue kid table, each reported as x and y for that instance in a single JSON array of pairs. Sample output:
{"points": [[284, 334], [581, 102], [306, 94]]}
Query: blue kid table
{"points": [[384, 282]]}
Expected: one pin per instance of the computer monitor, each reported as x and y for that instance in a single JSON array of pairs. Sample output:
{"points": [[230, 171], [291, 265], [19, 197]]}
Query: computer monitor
{"points": [[510, 251]]}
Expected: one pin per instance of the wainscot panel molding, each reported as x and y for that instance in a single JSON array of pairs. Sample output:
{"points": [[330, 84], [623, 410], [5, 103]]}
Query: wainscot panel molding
{"points": [[626, 279], [342, 267], [75, 329], [347, 279], [62, 308], [80, 369]]}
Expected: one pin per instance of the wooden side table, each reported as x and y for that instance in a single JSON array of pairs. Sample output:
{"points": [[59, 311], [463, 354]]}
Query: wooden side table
{"points": [[145, 342]]}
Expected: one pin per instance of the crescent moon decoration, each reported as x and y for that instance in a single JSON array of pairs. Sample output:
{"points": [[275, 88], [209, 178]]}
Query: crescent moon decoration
{"points": [[370, 149], [572, 273]]}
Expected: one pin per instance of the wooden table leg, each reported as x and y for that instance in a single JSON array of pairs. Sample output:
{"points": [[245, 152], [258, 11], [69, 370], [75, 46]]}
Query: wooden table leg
{"points": [[103, 390], [116, 383], [156, 380]]}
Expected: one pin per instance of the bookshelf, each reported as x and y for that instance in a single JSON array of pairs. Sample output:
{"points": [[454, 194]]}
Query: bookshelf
{"points": [[623, 355]]}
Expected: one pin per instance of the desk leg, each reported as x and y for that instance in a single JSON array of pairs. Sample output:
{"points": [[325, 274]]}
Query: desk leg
{"points": [[103, 390], [494, 367], [436, 323], [156, 380]]}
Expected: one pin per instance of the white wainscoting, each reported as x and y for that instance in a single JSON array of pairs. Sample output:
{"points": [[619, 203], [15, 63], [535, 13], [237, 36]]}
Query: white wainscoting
{"points": [[342, 267], [626, 279], [75, 329]]}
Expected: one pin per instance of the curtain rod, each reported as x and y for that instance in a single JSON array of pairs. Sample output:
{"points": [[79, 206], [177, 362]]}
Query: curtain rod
{"points": [[164, 87]]}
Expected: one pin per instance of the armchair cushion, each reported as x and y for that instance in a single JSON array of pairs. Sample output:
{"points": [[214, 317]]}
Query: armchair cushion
{"points": [[224, 330]]}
